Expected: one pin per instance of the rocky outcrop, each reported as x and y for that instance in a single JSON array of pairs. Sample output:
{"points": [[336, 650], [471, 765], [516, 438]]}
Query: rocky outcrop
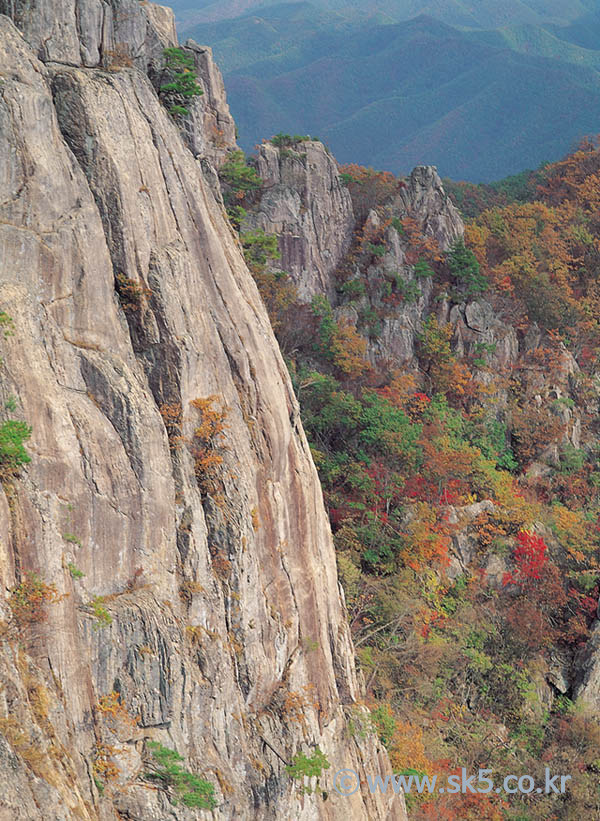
{"points": [[116, 34], [306, 205], [209, 128], [309, 209], [94, 32], [220, 623], [302, 180], [400, 324], [587, 688], [424, 200]]}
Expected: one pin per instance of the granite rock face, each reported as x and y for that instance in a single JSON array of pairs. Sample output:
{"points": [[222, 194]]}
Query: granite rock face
{"points": [[587, 686], [425, 200], [425, 204], [306, 205], [210, 128], [116, 34], [221, 623], [93, 32]]}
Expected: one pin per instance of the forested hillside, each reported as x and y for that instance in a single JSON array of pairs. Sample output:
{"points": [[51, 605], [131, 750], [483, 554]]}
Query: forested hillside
{"points": [[450, 392]]}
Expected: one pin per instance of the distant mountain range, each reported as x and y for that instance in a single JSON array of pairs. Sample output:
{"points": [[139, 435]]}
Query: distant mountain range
{"points": [[477, 13], [508, 85]]}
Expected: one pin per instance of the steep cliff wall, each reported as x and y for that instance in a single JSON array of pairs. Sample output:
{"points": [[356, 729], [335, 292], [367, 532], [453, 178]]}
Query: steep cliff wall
{"points": [[306, 205], [93, 32], [210, 128], [220, 622], [423, 199]]}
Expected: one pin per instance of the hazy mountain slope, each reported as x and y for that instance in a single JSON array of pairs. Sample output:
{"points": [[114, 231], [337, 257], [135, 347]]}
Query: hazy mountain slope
{"points": [[584, 32], [190, 12], [285, 36], [480, 13], [501, 114], [397, 95], [543, 41]]}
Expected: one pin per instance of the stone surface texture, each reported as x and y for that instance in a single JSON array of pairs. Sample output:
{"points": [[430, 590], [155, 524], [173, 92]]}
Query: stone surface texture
{"points": [[425, 200], [222, 624], [210, 128], [306, 205]]}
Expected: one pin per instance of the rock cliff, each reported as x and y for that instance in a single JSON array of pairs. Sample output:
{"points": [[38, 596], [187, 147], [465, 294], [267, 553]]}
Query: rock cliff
{"points": [[423, 199], [210, 128], [195, 601], [93, 33], [305, 204]]}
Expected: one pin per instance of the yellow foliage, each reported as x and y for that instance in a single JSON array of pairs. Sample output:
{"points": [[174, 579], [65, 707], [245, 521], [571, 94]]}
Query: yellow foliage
{"points": [[296, 704], [104, 764], [29, 600], [427, 543], [476, 237], [345, 538], [350, 576], [278, 292], [401, 390], [573, 531], [111, 706], [349, 349], [514, 511], [207, 445], [407, 750], [446, 374]]}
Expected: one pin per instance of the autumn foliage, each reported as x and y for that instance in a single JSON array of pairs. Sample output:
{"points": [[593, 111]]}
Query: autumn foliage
{"points": [[29, 600], [463, 487], [207, 445], [530, 558], [368, 188]]}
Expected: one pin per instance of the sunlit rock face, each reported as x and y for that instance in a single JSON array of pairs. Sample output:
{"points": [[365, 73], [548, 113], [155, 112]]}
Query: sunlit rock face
{"points": [[221, 624]]}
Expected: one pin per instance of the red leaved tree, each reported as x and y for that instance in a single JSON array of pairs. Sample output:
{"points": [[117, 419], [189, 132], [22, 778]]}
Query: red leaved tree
{"points": [[530, 559]]}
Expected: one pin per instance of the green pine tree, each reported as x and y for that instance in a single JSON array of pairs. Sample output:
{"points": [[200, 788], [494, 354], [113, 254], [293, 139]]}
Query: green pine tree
{"points": [[466, 271], [177, 82]]}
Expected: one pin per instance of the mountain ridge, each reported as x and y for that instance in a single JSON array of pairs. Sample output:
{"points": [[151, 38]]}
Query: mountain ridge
{"points": [[310, 68], [409, 76], [482, 14]]}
